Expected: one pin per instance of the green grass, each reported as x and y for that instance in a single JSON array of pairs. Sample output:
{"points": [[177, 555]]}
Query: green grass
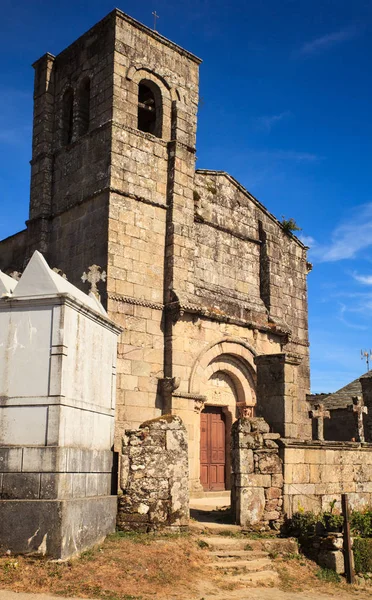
{"points": [[328, 575]]}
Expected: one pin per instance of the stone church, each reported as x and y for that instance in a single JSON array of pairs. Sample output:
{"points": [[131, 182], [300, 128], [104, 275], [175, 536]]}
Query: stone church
{"points": [[201, 276]]}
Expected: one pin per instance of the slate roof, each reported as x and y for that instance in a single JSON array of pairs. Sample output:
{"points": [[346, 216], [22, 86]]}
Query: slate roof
{"points": [[340, 399]]}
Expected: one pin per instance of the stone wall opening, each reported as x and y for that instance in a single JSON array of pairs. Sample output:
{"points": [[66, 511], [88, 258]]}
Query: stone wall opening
{"points": [[149, 108], [67, 117], [83, 109]]}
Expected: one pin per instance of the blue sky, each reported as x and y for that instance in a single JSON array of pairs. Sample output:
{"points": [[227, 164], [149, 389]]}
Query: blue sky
{"points": [[286, 94]]}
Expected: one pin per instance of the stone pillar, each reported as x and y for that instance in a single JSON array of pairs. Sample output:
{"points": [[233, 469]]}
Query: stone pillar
{"points": [[42, 157], [366, 383], [57, 386], [257, 485], [277, 392], [154, 477]]}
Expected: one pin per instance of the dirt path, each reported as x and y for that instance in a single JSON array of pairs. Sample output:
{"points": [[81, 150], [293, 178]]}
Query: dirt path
{"points": [[247, 594]]}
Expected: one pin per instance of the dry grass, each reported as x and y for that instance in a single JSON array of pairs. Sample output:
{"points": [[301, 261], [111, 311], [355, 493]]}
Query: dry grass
{"points": [[143, 567], [298, 574], [130, 567]]}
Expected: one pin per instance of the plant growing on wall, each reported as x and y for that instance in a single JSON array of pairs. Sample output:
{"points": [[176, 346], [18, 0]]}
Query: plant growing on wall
{"points": [[289, 225]]}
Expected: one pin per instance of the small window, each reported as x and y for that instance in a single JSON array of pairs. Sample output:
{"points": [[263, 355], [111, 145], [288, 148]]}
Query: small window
{"points": [[67, 116], [83, 115], [150, 112]]}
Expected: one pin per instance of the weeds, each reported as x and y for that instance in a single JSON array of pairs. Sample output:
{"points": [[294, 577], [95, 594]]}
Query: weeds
{"points": [[328, 575]]}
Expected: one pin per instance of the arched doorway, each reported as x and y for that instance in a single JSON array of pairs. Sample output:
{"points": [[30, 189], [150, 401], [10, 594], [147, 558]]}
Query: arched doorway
{"points": [[225, 376]]}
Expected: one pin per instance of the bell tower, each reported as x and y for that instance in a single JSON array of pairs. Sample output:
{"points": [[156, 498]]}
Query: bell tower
{"points": [[112, 184], [114, 123]]}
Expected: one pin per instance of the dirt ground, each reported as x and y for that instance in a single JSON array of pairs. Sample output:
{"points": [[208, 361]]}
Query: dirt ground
{"points": [[140, 567]]}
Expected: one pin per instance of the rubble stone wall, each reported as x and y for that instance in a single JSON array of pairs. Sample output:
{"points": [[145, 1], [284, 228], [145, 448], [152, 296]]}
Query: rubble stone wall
{"points": [[154, 477], [317, 473], [257, 491]]}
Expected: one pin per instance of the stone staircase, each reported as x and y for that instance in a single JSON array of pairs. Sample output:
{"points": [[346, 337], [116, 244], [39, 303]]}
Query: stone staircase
{"points": [[245, 561]]}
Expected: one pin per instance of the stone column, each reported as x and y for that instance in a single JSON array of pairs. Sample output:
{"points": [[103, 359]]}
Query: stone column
{"points": [[42, 158], [277, 392], [257, 486], [366, 383]]}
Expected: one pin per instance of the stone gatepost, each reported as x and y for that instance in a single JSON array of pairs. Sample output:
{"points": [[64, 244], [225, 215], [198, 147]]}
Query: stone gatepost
{"points": [[366, 383], [257, 482], [277, 392], [154, 477], [57, 406]]}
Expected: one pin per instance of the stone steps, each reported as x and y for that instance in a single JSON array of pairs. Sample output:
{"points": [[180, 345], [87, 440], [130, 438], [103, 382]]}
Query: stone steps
{"points": [[267, 578], [270, 545], [244, 561], [247, 554], [245, 565]]}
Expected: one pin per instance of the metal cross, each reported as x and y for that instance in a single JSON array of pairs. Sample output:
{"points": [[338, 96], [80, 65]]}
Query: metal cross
{"points": [[155, 17], [358, 408], [320, 414], [94, 275]]}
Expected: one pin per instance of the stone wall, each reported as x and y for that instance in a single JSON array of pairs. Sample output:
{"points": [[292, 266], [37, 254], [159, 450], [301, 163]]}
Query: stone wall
{"points": [[257, 490], [154, 477], [173, 241], [315, 473], [233, 221]]}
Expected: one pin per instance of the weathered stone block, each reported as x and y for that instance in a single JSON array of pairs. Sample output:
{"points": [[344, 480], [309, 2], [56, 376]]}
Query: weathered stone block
{"points": [[277, 480], [252, 480], [273, 492], [251, 506], [332, 560], [270, 463], [10, 460], [20, 486], [259, 424], [242, 460]]}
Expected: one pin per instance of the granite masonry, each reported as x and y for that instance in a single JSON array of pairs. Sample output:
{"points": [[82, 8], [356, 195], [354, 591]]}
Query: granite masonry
{"points": [[209, 290], [201, 276], [257, 498], [154, 477]]}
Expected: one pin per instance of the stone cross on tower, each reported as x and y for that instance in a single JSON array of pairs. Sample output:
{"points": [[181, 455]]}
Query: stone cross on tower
{"points": [[320, 414], [358, 408], [94, 275]]}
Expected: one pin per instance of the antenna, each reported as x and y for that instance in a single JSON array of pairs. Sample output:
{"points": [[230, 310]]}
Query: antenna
{"points": [[365, 355]]}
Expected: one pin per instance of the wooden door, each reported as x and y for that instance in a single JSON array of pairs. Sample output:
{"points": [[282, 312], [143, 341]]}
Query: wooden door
{"points": [[212, 449]]}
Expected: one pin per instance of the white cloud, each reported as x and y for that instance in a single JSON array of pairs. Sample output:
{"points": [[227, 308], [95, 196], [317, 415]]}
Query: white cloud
{"points": [[365, 279], [349, 238], [327, 41], [266, 123], [291, 155], [307, 240]]}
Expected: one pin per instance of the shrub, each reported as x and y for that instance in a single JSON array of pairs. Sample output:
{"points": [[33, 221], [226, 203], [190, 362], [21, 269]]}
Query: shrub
{"points": [[304, 524], [362, 550], [332, 521], [361, 523]]}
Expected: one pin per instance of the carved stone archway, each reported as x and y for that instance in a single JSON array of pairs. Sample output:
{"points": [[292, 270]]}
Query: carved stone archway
{"points": [[224, 373]]}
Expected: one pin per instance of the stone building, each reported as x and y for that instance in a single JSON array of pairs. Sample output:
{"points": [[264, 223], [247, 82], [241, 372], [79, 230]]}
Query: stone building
{"points": [[203, 278]]}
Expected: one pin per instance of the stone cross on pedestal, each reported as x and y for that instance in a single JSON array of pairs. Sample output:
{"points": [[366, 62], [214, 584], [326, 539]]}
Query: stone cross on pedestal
{"points": [[358, 408], [15, 275], [60, 272], [94, 275], [320, 414]]}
